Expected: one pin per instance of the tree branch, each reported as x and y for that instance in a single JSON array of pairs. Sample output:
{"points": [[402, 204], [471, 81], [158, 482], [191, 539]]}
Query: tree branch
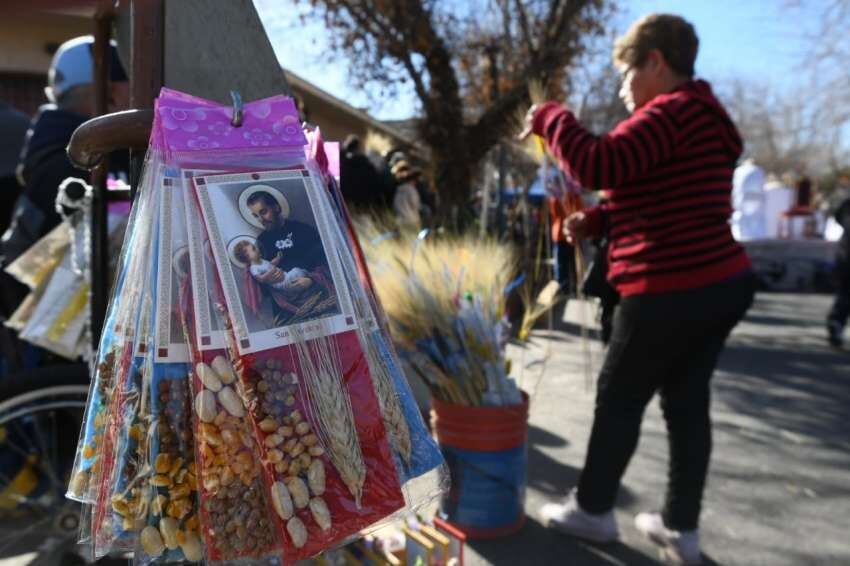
{"points": [[526, 33]]}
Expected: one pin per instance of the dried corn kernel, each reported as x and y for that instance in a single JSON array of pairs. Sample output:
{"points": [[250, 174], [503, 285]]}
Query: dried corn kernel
{"points": [[163, 463]]}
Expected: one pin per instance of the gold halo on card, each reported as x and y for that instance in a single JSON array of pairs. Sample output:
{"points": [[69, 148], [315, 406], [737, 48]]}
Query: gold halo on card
{"points": [[231, 247], [276, 195]]}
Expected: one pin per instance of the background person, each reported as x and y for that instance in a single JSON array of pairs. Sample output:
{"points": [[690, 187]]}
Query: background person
{"points": [[407, 202], [362, 186], [838, 315], [14, 126], [44, 163], [684, 281]]}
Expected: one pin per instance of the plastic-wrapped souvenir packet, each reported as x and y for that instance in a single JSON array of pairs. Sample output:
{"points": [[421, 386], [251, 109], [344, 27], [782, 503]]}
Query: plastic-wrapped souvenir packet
{"points": [[58, 320], [115, 349], [235, 512], [346, 495], [234, 509], [305, 377], [420, 464], [171, 525], [22, 315], [123, 500], [34, 265]]}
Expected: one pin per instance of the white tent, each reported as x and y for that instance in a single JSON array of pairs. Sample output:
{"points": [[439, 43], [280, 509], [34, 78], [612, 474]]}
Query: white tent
{"points": [[748, 199], [778, 198]]}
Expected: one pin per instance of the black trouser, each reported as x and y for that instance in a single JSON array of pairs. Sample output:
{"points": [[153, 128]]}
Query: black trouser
{"points": [[565, 267], [667, 343], [840, 311]]}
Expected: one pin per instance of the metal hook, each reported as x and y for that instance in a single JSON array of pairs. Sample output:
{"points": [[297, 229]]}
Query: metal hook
{"points": [[236, 120]]}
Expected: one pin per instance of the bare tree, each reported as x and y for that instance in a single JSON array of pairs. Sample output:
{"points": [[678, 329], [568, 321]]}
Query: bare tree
{"points": [[784, 131], [469, 65]]}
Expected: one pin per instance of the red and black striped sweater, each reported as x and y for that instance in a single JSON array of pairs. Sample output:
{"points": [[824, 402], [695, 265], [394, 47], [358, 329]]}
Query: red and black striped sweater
{"points": [[669, 171]]}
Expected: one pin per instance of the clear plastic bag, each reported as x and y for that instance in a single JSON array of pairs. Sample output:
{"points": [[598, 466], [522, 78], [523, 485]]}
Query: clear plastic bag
{"points": [[420, 463], [171, 526], [247, 403], [355, 483], [123, 501], [236, 515], [116, 344]]}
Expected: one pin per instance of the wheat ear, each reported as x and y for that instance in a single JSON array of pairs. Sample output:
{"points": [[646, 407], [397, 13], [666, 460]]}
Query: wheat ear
{"points": [[321, 374], [394, 420]]}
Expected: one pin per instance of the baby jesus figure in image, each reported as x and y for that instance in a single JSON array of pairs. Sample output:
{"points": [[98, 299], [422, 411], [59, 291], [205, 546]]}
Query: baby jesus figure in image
{"points": [[296, 294], [266, 272]]}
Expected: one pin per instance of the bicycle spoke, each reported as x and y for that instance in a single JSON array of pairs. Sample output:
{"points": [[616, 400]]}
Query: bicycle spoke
{"points": [[19, 535], [22, 451], [35, 443], [45, 463], [35, 439]]}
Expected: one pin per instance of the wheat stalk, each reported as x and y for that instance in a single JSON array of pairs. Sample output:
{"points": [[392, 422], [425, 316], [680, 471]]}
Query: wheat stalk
{"points": [[394, 420], [322, 381]]}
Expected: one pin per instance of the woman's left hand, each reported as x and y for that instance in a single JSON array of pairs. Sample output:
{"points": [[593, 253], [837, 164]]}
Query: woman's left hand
{"points": [[529, 123]]}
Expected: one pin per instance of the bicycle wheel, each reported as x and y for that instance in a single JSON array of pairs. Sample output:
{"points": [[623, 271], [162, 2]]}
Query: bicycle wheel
{"points": [[40, 417]]}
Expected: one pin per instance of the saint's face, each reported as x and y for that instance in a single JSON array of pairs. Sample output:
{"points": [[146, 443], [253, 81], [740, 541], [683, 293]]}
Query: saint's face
{"points": [[267, 214]]}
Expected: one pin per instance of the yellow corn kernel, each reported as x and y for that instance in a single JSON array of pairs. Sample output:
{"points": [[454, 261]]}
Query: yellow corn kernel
{"points": [[163, 463], [192, 523], [160, 480], [176, 465]]}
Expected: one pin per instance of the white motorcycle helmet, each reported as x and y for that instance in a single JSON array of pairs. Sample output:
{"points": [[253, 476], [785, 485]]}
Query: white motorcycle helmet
{"points": [[73, 65]]}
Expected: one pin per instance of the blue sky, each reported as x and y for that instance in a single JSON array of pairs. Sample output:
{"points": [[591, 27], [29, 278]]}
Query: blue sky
{"points": [[761, 40]]}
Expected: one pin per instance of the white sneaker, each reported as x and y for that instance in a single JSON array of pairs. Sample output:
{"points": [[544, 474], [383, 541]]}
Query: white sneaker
{"points": [[568, 517], [677, 547]]}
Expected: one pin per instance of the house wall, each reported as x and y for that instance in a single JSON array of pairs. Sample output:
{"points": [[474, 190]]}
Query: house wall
{"points": [[335, 123], [27, 42]]}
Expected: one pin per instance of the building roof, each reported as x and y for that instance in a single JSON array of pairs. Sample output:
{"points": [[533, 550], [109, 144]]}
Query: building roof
{"points": [[299, 83]]}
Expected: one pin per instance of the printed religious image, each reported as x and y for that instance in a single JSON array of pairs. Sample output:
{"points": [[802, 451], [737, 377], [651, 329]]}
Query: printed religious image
{"points": [[271, 255]]}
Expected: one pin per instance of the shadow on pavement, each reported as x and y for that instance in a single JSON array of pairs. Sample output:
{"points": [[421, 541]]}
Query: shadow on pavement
{"points": [[549, 476], [544, 546], [541, 437], [804, 395]]}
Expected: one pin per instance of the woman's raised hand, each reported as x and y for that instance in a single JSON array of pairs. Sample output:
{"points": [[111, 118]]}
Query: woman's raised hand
{"points": [[575, 227], [529, 123]]}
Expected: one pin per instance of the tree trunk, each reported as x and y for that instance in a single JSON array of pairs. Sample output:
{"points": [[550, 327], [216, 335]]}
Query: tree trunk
{"points": [[452, 173]]}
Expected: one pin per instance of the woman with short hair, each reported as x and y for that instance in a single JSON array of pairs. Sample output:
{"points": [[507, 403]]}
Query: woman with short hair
{"points": [[685, 282]]}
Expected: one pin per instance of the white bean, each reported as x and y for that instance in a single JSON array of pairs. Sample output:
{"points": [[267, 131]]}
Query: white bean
{"points": [[282, 501], [320, 512], [151, 541], [224, 370], [298, 490], [231, 401], [168, 528], [205, 405], [316, 477], [191, 547], [208, 377], [297, 532]]}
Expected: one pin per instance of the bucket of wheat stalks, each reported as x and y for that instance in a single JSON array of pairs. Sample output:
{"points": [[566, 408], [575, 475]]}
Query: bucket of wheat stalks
{"points": [[486, 452]]}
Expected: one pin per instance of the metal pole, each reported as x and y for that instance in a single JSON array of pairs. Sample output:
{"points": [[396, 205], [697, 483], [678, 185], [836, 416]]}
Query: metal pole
{"points": [[146, 66], [99, 236]]}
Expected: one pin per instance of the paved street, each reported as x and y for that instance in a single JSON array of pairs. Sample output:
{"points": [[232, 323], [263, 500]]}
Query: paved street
{"points": [[779, 487]]}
